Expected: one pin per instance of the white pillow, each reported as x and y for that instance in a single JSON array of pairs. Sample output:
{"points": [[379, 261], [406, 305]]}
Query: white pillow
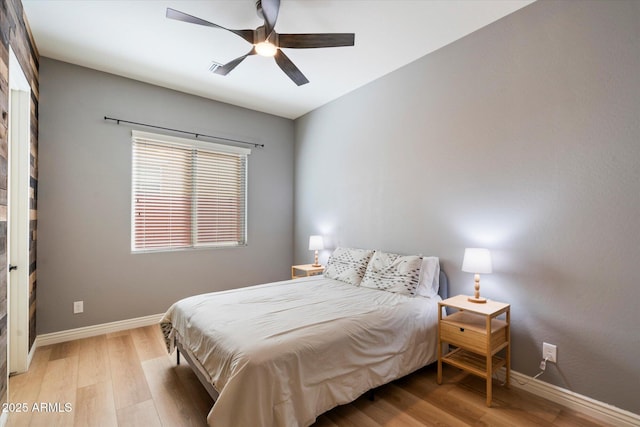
{"points": [[393, 273], [429, 277], [348, 265]]}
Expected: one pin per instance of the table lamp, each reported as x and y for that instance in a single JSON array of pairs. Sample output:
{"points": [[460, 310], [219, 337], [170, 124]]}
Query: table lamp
{"points": [[476, 261], [316, 244]]}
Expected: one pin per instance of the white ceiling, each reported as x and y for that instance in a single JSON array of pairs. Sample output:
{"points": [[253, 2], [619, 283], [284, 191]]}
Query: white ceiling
{"points": [[134, 39]]}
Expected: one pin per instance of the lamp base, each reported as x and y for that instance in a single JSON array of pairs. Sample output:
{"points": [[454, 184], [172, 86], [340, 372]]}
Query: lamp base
{"points": [[478, 300], [316, 263]]}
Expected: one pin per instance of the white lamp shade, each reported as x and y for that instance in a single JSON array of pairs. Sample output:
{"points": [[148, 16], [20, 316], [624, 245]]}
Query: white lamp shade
{"points": [[476, 260], [316, 243]]}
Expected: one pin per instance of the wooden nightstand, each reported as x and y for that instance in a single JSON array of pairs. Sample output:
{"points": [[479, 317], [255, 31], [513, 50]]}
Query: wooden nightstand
{"points": [[305, 270], [478, 336]]}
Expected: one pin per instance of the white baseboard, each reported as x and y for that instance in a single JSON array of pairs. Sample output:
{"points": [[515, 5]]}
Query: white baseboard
{"points": [[32, 351], [92, 331], [579, 403]]}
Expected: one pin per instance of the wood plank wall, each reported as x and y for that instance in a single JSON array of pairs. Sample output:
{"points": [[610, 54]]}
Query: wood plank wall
{"points": [[15, 32]]}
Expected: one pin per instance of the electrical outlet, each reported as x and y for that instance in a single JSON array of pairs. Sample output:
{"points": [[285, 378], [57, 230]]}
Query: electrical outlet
{"points": [[78, 307], [550, 352]]}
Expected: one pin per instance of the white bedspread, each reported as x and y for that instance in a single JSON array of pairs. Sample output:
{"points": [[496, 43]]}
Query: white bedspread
{"points": [[283, 353]]}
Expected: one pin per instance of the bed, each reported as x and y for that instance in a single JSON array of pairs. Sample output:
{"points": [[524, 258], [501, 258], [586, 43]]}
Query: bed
{"points": [[282, 353]]}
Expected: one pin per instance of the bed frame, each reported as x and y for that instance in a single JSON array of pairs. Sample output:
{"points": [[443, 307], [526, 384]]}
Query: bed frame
{"points": [[202, 375], [444, 285], [196, 368]]}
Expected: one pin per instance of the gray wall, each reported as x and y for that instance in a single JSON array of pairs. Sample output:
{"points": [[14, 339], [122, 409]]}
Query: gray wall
{"points": [[523, 137], [84, 200]]}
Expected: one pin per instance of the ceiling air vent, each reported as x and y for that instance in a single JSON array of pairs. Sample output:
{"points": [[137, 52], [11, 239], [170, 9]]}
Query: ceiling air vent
{"points": [[214, 66]]}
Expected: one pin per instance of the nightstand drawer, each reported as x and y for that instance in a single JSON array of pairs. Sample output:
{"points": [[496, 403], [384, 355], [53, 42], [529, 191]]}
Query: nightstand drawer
{"points": [[463, 337], [468, 331]]}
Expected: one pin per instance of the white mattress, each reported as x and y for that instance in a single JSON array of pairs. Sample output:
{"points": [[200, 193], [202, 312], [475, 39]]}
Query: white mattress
{"points": [[283, 353]]}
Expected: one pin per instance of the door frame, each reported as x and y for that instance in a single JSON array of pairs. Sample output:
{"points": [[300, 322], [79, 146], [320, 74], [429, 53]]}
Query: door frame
{"points": [[18, 216]]}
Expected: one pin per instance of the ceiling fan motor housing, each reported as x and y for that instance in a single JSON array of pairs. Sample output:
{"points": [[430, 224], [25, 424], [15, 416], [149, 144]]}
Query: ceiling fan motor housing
{"points": [[259, 9]]}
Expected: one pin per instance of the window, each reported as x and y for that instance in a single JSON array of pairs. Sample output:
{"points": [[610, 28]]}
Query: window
{"points": [[187, 194]]}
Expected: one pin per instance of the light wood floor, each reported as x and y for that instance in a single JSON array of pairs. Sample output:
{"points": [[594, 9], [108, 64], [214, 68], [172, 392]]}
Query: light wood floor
{"points": [[127, 379]]}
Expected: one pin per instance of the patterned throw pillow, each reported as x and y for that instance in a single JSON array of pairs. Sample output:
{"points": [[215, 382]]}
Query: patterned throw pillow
{"points": [[347, 265], [393, 273]]}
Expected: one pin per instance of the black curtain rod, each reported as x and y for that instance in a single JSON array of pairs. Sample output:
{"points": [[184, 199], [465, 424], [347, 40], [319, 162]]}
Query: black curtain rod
{"points": [[197, 135]]}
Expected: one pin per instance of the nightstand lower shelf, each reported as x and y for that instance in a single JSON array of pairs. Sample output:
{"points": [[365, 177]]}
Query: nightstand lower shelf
{"points": [[473, 363]]}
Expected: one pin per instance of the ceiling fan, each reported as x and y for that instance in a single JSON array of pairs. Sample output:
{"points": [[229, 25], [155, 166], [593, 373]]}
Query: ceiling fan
{"points": [[267, 42]]}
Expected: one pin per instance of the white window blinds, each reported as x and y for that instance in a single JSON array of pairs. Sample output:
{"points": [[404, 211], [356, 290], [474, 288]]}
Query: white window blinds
{"points": [[187, 194]]}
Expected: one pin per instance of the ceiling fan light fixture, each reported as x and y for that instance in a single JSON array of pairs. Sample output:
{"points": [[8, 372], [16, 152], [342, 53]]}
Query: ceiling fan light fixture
{"points": [[266, 49]]}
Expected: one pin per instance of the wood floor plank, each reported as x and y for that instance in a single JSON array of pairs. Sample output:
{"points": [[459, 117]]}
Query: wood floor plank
{"points": [[570, 418], [422, 410], [385, 413], [324, 421], [423, 386], [127, 375], [119, 333], [64, 349], [95, 406], [351, 417], [93, 361], [508, 407], [195, 391], [148, 342], [140, 414], [58, 389], [172, 401], [25, 388]]}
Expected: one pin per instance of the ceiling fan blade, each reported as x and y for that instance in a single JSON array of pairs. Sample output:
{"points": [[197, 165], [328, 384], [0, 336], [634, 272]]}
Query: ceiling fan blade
{"points": [[303, 41], [229, 66], [290, 69], [185, 17], [270, 9]]}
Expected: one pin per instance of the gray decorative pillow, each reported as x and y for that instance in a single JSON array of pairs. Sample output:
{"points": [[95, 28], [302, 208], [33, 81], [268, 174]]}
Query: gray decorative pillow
{"points": [[393, 273], [348, 265]]}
